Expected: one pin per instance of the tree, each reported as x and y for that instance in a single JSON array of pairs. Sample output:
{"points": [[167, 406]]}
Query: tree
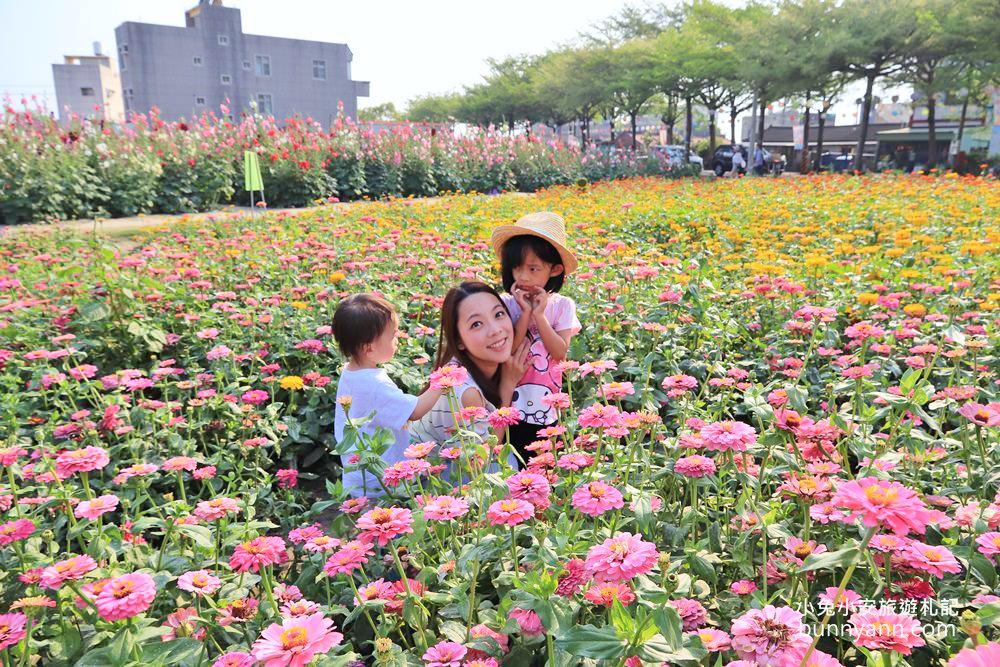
{"points": [[870, 40], [934, 66], [385, 111], [433, 108], [576, 82], [634, 78]]}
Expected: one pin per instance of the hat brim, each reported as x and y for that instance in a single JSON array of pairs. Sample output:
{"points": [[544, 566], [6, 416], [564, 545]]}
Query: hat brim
{"points": [[504, 233]]}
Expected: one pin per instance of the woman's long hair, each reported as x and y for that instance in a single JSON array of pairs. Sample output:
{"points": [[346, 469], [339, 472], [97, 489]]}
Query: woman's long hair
{"points": [[449, 339]]}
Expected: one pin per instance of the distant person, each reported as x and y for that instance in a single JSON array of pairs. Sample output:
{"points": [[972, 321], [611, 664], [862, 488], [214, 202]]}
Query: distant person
{"points": [[739, 164], [758, 161]]}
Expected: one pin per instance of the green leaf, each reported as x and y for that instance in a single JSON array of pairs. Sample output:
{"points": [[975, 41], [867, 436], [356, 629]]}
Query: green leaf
{"points": [[201, 535], [590, 642], [622, 621], [180, 651], [831, 559], [669, 623], [989, 614]]}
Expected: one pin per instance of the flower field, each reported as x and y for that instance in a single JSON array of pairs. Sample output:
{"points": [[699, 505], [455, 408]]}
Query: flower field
{"points": [[85, 169], [780, 447]]}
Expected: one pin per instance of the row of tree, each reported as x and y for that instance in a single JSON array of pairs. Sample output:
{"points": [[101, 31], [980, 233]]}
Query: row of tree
{"points": [[804, 52]]}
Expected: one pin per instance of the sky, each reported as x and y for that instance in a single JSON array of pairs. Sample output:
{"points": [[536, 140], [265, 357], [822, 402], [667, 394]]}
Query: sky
{"points": [[404, 48]]}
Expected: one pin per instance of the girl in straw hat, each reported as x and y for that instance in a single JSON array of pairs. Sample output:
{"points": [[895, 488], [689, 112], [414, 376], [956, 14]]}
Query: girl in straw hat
{"points": [[534, 263]]}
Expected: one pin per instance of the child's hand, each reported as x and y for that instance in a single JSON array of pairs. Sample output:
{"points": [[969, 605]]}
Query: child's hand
{"points": [[539, 301], [523, 298]]}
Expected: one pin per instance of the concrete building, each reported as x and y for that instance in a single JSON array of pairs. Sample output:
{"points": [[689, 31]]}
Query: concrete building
{"points": [[187, 70], [89, 86]]}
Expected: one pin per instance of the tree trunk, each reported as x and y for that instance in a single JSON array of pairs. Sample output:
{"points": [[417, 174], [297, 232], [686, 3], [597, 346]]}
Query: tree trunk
{"points": [[961, 121], [819, 141], [711, 131], [670, 132], [732, 122], [633, 115], [611, 124], [760, 124], [931, 133], [688, 127], [803, 166], [866, 109]]}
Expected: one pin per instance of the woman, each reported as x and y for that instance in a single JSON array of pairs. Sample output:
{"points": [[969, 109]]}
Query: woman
{"points": [[477, 334]]}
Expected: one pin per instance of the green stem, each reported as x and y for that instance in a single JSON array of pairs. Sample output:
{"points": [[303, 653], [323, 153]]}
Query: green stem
{"points": [[836, 596]]}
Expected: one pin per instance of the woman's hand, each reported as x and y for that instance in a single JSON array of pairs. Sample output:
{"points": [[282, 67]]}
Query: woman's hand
{"points": [[512, 370]]}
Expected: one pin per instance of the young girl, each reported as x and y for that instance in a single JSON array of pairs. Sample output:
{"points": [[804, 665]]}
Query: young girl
{"points": [[534, 263]]}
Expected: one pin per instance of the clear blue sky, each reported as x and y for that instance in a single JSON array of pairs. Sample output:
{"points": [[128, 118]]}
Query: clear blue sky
{"points": [[404, 47]]}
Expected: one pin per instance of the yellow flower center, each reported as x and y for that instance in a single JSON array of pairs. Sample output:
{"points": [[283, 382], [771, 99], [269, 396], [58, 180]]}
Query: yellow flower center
{"points": [[880, 495], [296, 637]]}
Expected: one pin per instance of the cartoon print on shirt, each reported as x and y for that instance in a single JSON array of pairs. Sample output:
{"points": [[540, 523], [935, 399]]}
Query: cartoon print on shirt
{"points": [[528, 398]]}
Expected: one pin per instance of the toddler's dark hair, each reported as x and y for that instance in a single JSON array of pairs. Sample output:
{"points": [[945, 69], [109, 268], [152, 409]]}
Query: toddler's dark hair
{"points": [[512, 255], [359, 320]]}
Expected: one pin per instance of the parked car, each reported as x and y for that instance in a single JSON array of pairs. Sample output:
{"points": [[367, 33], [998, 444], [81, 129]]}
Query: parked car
{"points": [[675, 154], [722, 161]]}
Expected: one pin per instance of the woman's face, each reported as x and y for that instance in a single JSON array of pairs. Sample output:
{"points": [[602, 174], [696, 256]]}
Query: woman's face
{"points": [[485, 331]]}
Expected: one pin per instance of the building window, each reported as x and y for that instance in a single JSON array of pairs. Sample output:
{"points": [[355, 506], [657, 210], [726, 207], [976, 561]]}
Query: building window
{"points": [[246, 65], [263, 65], [264, 105], [226, 79], [123, 48], [87, 92], [197, 61], [128, 99], [123, 61], [319, 70], [223, 40], [200, 101]]}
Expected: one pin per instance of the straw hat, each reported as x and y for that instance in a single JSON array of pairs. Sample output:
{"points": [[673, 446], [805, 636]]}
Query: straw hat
{"points": [[543, 224]]}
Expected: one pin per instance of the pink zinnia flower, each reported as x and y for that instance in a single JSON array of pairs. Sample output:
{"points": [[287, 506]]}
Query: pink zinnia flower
{"points": [[596, 498], [12, 629], [883, 629], [693, 614], [15, 531], [445, 508], [605, 593], [728, 436], [599, 415], [380, 589], [296, 641], [176, 463], [981, 415], [766, 635], [257, 553], [449, 376], [385, 523], [743, 587], [989, 544], [985, 655], [287, 478], [81, 460], [351, 556], [445, 654], [575, 461], [503, 417], [354, 505], [216, 508], [713, 640], [126, 596], [694, 466], [91, 509], [528, 621], [614, 390], [882, 503], [573, 579], [935, 560], [531, 487], [199, 582], [621, 557], [234, 659], [72, 568], [510, 512]]}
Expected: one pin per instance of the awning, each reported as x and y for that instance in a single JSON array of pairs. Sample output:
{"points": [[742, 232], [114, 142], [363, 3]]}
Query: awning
{"points": [[910, 134]]}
